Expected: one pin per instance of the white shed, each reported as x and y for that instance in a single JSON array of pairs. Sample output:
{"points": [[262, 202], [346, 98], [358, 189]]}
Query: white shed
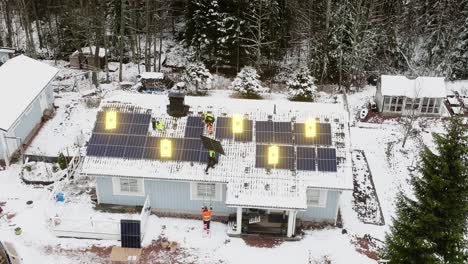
{"points": [[400, 95], [25, 85]]}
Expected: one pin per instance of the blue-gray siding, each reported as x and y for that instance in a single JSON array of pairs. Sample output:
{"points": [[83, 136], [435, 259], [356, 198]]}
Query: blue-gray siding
{"points": [[327, 213], [25, 124], [174, 196], [168, 196]]}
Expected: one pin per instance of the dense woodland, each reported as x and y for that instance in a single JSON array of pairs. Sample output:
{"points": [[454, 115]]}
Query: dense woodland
{"points": [[339, 41]]}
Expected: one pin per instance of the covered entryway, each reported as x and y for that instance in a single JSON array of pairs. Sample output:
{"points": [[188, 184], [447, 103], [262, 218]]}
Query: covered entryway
{"points": [[253, 221]]}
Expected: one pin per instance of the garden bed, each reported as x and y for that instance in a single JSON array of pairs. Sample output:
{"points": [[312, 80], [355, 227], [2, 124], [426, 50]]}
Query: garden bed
{"points": [[365, 202], [41, 173]]}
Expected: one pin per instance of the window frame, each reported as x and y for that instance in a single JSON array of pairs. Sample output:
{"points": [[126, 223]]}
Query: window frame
{"points": [[117, 186], [194, 195], [322, 198]]}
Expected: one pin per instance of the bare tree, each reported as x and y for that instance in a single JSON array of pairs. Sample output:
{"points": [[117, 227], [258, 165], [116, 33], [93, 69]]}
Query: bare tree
{"points": [[413, 109]]}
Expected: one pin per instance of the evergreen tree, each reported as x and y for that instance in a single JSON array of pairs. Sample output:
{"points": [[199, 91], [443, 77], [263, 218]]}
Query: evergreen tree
{"points": [[247, 83], [197, 76], [432, 227], [210, 31], [302, 87]]}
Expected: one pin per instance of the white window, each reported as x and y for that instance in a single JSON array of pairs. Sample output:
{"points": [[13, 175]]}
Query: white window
{"points": [[128, 186], [316, 198], [205, 191], [431, 105]]}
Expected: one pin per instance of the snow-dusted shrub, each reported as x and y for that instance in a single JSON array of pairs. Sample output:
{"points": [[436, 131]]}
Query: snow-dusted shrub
{"points": [[302, 86], [197, 77], [247, 83]]}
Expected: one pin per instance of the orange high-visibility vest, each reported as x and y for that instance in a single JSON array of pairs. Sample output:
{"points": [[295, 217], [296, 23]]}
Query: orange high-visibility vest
{"points": [[206, 215]]}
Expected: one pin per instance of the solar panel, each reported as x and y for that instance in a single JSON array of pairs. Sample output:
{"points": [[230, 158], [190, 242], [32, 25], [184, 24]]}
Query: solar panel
{"points": [[326, 159], [285, 161], [96, 150], [136, 141], [133, 153], [211, 144], [117, 140], [323, 135], [195, 121], [143, 119], [98, 139], [193, 132], [135, 129], [194, 127], [151, 153], [224, 130], [130, 233], [115, 151], [273, 132], [306, 158]]}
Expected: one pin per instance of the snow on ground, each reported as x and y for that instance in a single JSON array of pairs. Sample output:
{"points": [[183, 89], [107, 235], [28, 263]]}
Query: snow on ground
{"points": [[388, 162]]}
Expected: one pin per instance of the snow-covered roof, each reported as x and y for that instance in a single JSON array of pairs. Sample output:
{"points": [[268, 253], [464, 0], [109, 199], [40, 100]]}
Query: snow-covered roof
{"points": [[152, 75], [246, 183], [91, 50], [7, 50], [395, 85], [21, 81]]}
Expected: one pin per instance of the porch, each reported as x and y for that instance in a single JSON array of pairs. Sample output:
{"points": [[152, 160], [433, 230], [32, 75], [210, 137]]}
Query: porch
{"points": [[265, 222]]}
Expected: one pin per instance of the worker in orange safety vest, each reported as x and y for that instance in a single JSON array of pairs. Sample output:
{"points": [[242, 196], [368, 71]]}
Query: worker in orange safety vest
{"points": [[206, 215]]}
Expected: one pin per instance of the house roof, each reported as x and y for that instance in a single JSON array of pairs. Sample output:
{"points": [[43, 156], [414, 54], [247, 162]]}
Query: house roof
{"points": [[91, 50], [22, 79], [152, 75], [396, 85], [248, 184]]}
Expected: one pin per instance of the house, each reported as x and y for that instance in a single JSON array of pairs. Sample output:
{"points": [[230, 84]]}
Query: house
{"points": [[27, 93], [6, 54], [283, 165], [402, 96], [86, 59], [153, 81]]}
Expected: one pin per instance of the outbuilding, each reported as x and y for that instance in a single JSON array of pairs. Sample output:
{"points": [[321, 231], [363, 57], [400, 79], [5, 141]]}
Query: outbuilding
{"points": [[27, 94], [6, 54], [86, 59], [400, 95]]}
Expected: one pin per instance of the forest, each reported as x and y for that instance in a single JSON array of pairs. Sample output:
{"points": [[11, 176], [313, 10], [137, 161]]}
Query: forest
{"points": [[345, 42]]}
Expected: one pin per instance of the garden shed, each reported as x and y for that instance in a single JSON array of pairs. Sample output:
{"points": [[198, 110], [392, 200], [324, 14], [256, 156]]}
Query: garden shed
{"points": [[86, 59], [27, 95], [403, 96]]}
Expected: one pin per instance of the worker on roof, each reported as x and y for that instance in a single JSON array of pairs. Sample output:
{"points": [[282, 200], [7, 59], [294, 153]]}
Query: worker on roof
{"points": [[209, 120], [206, 216], [157, 125], [211, 160]]}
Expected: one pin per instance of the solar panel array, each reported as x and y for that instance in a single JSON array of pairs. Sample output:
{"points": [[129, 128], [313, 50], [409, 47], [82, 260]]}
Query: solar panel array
{"points": [[323, 135], [224, 130], [273, 132], [130, 140], [128, 123], [285, 161]]}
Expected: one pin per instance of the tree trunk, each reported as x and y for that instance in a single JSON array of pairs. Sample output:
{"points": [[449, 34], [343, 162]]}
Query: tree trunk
{"points": [[9, 35], [148, 38], [122, 28], [38, 24]]}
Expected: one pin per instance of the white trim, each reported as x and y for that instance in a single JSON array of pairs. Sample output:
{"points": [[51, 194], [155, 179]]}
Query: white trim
{"points": [[218, 192], [322, 202], [116, 188]]}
